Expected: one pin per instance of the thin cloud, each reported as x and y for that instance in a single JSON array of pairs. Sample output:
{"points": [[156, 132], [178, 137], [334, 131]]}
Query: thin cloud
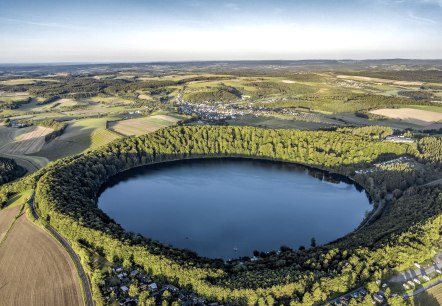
{"points": [[421, 19], [40, 24], [434, 2], [233, 6]]}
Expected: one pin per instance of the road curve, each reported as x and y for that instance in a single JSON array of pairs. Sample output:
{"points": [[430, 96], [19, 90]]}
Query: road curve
{"points": [[88, 300]]}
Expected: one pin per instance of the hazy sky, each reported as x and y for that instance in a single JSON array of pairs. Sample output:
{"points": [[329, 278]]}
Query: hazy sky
{"points": [[145, 30]]}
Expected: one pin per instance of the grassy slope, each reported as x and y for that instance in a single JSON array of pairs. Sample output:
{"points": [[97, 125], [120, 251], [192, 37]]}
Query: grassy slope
{"points": [[79, 136]]}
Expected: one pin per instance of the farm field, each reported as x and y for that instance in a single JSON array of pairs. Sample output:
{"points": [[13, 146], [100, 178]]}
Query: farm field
{"points": [[431, 297], [7, 216], [8, 137], [414, 116], [92, 106], [139, 126], [48, 277], [29, 140], [25, 81], [79, 136], [379, 80]]}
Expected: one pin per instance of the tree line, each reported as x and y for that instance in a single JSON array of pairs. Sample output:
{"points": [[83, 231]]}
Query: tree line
{"points": [[67, 191]]}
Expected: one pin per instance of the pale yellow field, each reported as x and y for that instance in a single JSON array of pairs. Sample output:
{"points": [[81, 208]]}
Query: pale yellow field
{"points": [[139, 126], [25, 81], [415, 116], [35, 269], [377, 80], [30, 140], [6, 218], [430, 297]]}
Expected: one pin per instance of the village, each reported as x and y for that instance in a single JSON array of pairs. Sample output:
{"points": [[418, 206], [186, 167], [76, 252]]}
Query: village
{"points": [[127, 286], [215, 113]]}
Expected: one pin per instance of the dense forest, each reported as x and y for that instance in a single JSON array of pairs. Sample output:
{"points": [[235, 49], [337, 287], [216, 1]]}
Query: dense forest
{"points": [[9, 170], [67, 191]]}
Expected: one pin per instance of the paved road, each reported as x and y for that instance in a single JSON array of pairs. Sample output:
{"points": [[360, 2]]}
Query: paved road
{"points": [[435, 182], [83, 276], [347, 295]]}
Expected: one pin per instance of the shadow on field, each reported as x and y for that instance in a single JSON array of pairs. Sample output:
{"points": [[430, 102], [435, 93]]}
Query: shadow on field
{"points": [[425, 299], [74, 140]]}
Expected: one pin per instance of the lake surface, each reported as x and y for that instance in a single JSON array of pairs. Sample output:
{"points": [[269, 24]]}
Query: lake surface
{"points": [[226, 208]]}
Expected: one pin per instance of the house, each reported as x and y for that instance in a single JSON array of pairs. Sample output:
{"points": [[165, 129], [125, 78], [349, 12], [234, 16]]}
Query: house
{"points": [[134, 273], [124, 289], [170, 288], [152, 287], [399, 139], [378, 298]]}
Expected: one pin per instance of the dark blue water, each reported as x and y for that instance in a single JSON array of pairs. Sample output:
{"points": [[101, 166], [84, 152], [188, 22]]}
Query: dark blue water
{"points": [[227, 208]]}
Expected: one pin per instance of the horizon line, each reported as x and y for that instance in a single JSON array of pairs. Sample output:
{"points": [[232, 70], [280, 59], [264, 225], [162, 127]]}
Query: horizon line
{"points": [[207, 61]]}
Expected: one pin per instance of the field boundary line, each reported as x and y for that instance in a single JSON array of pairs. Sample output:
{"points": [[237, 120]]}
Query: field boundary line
{"points": [[20, 213]]}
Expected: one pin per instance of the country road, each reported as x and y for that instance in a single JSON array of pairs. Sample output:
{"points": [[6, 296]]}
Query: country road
{"points": [[88, 300]]}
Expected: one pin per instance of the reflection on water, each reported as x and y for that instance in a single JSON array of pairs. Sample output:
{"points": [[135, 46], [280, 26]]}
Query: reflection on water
{"points": [[225, 208]]}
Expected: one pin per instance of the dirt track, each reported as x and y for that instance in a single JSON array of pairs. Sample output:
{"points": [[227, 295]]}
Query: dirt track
{"points": [[35, 269]]}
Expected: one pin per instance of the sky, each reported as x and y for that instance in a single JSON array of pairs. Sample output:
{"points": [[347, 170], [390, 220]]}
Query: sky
{"points": [[35, 31]]}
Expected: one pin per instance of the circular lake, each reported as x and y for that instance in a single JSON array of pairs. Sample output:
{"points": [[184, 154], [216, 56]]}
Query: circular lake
{"points": [[226, 208]]}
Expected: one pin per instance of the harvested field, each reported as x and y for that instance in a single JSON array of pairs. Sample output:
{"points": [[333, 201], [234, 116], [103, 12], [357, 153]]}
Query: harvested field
{"points": [[14, 94], [25, 81], [30, 140], [139, 126], [48, 277], [79, 136], [6, 218], [414, 116], [430, 297], [378, 80]]}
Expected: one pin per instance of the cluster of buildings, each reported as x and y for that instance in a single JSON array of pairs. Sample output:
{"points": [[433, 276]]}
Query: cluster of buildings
{"points": [[399, 138], [378, 167], [221, 112], [350, 84], [18, 125], [377, 298], [117, 286]]}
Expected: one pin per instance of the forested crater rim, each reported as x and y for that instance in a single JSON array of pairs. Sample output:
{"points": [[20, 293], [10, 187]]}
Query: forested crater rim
{"points": [[67, 189]]}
